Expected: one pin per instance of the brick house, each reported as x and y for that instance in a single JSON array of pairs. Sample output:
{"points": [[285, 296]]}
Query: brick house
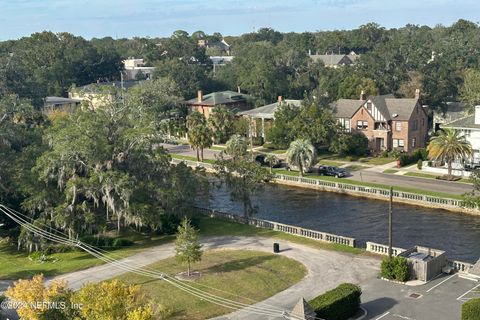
{"points": [[388, 122], [205, 104]]}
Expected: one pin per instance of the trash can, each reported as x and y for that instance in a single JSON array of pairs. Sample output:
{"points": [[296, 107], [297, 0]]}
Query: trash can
{"points": [[276, 247]]}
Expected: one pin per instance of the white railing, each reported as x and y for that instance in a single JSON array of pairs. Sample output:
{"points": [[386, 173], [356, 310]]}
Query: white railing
{"points": [[298, 231], [382, 249], [459, 266], [377, 192]]}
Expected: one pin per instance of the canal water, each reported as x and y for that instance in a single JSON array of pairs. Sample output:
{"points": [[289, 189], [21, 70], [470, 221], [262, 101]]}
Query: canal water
{"points": [[362, 219]]}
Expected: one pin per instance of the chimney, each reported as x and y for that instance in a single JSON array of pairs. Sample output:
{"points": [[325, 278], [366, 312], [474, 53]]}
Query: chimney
{"points": [[199, 96], [477, 114], [417, 93], [238, 89], [280, 99], [363, 96]]}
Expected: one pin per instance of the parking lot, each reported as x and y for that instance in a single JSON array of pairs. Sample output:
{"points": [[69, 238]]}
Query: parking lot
{"points": [[439, 299]]}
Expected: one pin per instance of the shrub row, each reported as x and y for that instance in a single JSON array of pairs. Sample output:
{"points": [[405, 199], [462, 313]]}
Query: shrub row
{"points": [[338, 304], [107, 242], [418, 154], [471, 310], [395, 268]]}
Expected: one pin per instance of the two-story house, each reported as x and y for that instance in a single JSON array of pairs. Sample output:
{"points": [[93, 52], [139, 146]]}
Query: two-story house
{"points": [[388, 122]]}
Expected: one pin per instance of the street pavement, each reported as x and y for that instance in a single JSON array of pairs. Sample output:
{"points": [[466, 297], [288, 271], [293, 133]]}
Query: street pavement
{"points": [[372, 175]]}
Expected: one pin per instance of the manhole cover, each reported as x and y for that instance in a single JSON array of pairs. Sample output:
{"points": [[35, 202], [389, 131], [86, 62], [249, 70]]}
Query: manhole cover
{"points": [[415, 295]]}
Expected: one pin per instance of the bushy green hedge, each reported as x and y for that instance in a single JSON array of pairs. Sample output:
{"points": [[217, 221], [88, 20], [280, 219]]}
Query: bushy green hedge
{"points": [[395, 268], [417, 154], [107, 242], [471, 310], [338, 304]]}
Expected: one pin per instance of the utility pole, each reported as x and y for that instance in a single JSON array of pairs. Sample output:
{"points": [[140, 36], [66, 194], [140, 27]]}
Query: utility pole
{"points": [[390, 224]]}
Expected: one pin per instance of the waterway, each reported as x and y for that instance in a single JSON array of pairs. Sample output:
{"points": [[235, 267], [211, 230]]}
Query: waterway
{"points": [[361, 218]]}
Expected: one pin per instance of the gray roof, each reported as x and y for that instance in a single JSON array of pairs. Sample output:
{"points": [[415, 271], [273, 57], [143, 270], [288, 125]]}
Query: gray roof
{"points": [[268, 111], [346, 108], [386, 104], [465, 122], [455, 111], [218, 98], [402, 107], [332, 59], [59, 100]]}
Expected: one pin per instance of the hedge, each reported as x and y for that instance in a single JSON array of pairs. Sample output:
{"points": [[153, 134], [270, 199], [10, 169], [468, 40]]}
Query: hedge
{"points": [[471, 310], [395, 268], [338, 304], [418, 154]]}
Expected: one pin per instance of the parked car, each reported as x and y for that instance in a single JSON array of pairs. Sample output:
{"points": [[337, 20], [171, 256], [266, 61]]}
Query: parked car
{"points": [[471, 166], [261, 158], [332, 171]]}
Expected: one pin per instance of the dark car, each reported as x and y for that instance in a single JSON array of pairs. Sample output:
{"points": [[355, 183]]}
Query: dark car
{"points": [[261, 158], [332, 171], [471, 166]]}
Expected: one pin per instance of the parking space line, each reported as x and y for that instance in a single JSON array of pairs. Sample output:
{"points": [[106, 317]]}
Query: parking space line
{"points": [[383, 315], [463, 295], [440, 283]]}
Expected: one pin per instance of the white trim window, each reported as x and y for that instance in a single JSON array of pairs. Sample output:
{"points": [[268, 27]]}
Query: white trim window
{"points": [[398, 126], [414, 142]]}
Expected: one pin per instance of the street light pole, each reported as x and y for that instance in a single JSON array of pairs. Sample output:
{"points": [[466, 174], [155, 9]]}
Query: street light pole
{"points": [[390, 240]]}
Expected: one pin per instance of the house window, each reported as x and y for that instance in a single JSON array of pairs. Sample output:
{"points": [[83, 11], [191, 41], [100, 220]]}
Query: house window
{"points": [[347, 124], [398, 126], [414, 142], [369, 106], [362, 125], [423, 122], [398, 143], [467, 133]]}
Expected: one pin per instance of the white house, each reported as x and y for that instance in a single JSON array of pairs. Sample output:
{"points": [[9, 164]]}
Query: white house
{"points": [[470, 127], [133, 66]]}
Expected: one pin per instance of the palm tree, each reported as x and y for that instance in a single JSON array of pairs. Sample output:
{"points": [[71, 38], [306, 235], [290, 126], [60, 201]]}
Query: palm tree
{"points": [[448, 146], [237, 146], [271, 160], [199, 134], [301, 154]]}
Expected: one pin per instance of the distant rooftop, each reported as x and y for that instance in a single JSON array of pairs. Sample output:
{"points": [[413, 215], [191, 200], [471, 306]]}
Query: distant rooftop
{"points": [[59, 100], [218, 98]]}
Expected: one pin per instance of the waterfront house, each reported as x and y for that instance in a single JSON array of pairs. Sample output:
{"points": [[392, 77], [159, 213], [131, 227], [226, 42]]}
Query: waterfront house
{"points": [[205, 104], [263, 116], [470, 127], [388, 122]]}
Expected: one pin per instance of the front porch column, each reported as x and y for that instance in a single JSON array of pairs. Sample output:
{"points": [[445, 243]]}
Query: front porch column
{"points": [[263, 128]]}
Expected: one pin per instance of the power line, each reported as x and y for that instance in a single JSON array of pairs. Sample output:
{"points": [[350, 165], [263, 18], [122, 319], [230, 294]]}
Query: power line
{"points": [[141, 270]]}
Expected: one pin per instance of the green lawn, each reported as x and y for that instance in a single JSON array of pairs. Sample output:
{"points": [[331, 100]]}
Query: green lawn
{"points": [[432, 176], [15, 264], [377, 185], [241, 275], [367, 160], [190, 158], [391, 171], [274, 151]]}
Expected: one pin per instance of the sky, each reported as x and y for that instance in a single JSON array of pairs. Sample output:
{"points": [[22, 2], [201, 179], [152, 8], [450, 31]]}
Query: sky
{"points": [[159, 18]]}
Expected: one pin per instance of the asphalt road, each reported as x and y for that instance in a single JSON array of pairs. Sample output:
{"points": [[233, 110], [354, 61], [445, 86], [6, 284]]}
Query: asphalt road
{"points": [[411, 182]]}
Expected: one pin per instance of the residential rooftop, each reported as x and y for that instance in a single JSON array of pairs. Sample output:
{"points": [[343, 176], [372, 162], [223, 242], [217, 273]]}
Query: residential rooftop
{"points": [[218, 98]]}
